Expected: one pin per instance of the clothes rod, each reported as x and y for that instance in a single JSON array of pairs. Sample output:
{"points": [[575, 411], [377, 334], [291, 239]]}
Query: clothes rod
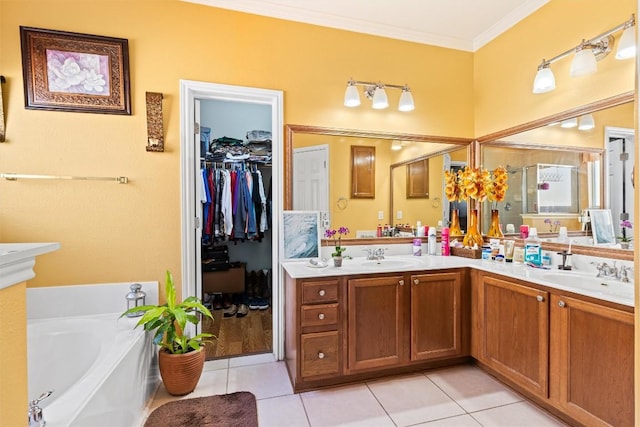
{"points": [[16, 176]]}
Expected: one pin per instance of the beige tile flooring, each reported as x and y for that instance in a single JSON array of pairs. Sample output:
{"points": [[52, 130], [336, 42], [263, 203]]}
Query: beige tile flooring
{"points": [[456, 396]]}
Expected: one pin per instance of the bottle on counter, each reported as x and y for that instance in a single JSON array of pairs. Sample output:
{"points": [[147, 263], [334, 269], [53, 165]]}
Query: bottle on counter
{"points": [[379, 231], [419, 229], [431, 241], [533, 248], [444, 242], [417, 247]]}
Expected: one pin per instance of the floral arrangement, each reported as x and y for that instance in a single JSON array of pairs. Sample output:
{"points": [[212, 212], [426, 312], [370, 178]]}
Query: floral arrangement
{"points": [[477, 184], [553, 225], [331, 234], [624, 225]]}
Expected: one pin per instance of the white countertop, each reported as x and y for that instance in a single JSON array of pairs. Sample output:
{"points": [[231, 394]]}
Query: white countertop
{"points": [[579, 282], [18, 259]]}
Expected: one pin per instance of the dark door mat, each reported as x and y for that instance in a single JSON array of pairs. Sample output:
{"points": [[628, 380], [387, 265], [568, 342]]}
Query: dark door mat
{"points": [[228, 410]]}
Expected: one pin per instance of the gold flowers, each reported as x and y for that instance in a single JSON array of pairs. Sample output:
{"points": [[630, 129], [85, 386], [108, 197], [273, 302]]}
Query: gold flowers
{"points": [[476, 183]]}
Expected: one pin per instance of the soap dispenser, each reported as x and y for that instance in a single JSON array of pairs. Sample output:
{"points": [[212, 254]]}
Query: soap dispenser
{"points": [[135, 298]]}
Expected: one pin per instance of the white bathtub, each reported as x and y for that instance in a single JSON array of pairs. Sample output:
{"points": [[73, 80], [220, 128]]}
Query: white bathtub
{"points": [[102, 371]]}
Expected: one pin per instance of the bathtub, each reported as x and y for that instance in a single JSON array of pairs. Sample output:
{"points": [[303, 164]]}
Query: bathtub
{"points": [[102, 370]]}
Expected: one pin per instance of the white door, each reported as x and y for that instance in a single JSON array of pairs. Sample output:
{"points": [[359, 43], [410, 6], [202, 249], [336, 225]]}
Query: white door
{"points": [[311, 178]]}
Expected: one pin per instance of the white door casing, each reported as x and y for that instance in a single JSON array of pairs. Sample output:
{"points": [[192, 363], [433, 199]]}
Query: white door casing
{"points": [[190, 92]]}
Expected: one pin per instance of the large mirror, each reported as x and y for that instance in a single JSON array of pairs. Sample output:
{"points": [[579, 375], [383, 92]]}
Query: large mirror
{"points": [[320, 176], [563, 166]]}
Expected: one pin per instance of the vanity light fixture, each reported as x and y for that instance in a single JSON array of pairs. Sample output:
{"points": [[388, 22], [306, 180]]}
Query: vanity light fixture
{"points": [[587, 53], [586, 122], [569, 123], [377, 94]]}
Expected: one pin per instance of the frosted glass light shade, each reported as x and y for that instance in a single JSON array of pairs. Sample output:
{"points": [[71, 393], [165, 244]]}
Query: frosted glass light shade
{"points": [[584, 63], [380, 100], [586, 122], [545, 81], [627, 44], [351, 96], [396, 145], [406, 101], [569, 123]]}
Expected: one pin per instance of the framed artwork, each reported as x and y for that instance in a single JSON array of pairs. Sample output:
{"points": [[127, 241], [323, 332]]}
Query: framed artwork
{"points": [[301, 235], [75, 72], [602, 227]]}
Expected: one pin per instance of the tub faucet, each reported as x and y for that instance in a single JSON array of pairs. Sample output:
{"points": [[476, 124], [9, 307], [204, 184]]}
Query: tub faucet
{"points": [[623, 273], [36, 419]]}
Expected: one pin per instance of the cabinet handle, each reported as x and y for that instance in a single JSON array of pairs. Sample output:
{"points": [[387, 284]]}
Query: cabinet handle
{"points": [[320, 355], [401, 282], [416, 281], [540, 298], [561, 303], [321, 316], [321, 292]]}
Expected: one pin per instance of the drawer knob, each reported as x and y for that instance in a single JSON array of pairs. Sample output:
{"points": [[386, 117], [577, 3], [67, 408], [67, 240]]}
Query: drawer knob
{"points": [[561, 303], [321, 316], [321, 292], [320, 355], [416, 281], [401, 282], [540, 298]]}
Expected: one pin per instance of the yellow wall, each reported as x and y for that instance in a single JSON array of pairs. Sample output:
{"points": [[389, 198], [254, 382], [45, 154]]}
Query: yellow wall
{"points": [[504, 69], [13, 363], [110, 232]]}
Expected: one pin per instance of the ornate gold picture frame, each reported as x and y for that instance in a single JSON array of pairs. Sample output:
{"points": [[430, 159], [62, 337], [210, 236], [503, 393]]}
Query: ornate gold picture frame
{"points": [[75, 72]]}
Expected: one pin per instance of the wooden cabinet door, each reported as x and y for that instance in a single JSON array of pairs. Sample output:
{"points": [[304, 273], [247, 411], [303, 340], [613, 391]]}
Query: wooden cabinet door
{"points": [[375, 332], [593, 362], [514, 327], [363, 172], [418, 179], [436, 329]]}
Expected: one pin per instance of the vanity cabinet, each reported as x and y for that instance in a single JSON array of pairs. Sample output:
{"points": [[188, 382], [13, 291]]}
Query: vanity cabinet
{"points": [[570, 353], [360, 326], [512, 331], [438, 312], [376, 322], [592, 362]]}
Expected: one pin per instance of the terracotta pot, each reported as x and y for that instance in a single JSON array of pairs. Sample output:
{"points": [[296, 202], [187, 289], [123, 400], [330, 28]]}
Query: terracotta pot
{"points": [[181, 372]]}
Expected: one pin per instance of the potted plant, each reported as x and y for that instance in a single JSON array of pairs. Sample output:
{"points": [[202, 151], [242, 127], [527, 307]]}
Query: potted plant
{"points": [[180, 357], [625, 227], [339, 249]]}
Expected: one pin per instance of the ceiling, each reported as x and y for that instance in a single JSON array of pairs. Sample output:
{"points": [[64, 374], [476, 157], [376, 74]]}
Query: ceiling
{"points": [[456, 24]]}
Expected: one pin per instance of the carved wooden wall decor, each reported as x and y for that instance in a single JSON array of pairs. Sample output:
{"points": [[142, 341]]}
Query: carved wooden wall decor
{"points": [[155, 127]]}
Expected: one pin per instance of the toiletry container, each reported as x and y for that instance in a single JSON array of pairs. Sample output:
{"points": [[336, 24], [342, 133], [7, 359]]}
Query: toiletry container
{"points": [[444, 241], [432, 241], [533, 248], [417, 247]]}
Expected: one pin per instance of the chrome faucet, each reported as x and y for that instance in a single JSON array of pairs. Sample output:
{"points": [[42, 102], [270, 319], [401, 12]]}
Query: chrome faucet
{"points": [[606, 270], [36, 419], [375, 253], [623, 273]]}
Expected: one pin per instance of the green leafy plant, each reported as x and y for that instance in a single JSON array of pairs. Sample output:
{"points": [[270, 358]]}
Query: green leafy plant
{"points": [[168, 321]]}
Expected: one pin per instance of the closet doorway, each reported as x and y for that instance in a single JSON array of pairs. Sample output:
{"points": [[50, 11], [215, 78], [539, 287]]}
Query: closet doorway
{"points": [[226, 131]]}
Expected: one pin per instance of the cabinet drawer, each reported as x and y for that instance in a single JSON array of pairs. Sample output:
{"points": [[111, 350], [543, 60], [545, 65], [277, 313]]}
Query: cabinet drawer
{"points": [[319, 315], [320, 291], [319, 354]]}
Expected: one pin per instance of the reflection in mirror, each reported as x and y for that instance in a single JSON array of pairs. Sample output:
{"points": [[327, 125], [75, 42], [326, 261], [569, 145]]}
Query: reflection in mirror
{"points": [[319, 174], [556, 173]]}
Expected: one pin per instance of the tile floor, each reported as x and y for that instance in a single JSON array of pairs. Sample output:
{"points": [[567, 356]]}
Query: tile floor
{"points": [[456, 396]]}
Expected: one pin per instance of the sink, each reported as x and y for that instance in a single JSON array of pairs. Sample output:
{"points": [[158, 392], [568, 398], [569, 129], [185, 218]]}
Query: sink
{"points": [[389, 263], [599, 285]]}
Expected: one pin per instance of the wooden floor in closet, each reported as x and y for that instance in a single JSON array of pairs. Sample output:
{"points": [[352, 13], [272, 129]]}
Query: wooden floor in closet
{"points": [[237, 336]]}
